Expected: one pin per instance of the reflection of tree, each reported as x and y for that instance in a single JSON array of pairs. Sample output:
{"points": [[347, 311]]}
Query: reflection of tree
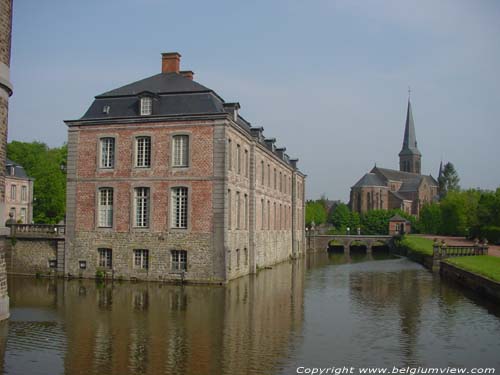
{"points": [[148, 328]]}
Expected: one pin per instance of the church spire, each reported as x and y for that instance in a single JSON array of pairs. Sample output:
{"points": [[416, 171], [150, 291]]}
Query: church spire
{"points": [[409, 156]]}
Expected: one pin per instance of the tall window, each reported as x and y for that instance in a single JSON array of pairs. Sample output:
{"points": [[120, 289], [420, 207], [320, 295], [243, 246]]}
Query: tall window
{"points": [[238, 210], [229, 209], [23, 215], [263, 214], [281, 182], [268, 215], [180, 207], [105, 258], [238, 159], [13, 192], [237, 258], [24, 193], [143, 152], [275, 184], [106, 207], [107, 152], [247, 164], [181, 151], [245, 211], [141, 259], [146, 106], [269, 175], [229, 154], [262, 171], [178, 260], [141, 207]]}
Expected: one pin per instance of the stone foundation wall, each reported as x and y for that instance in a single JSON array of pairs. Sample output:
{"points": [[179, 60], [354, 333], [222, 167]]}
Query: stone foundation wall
{"points": [[204, 264], [30, 256]]}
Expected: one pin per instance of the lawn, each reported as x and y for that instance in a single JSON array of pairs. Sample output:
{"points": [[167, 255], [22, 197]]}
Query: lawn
{"points": [[484, 265], [417, 244]]}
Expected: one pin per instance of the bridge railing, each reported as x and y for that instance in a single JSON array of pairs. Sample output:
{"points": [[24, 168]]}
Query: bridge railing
{"points": [[37, 230], [441, 250]]}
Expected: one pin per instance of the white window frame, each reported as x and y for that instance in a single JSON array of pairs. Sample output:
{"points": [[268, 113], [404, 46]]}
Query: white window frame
{"points": [[146, 106], [13, 192], [24, 193], [23, 215], [178, 260], [180, 151], [143, 151], [141, 259], [105, 259], [179, 207], [107, 153], [105, 207], [141, 207]]}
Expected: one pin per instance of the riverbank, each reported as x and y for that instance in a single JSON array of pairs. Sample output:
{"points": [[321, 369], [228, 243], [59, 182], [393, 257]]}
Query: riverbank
{"points": [[480, 273]]}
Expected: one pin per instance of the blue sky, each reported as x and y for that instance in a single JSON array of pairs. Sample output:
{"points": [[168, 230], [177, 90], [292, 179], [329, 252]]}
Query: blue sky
{"points": [[328, 79]]}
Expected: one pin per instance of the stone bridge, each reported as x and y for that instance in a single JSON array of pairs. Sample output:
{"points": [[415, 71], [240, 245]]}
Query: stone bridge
{"points": [[321, 242]]}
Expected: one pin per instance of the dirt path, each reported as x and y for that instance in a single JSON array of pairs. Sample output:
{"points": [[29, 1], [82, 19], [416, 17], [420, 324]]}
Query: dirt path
{"points": [[461, 241]]}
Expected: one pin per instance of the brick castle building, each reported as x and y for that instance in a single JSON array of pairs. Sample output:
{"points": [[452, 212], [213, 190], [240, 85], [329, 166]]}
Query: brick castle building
{"points": [[406, 189], [166, 180]]}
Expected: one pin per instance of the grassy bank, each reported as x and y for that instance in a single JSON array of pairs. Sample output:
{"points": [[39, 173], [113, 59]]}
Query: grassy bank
{"points": [[417, 244], [483, 265]]}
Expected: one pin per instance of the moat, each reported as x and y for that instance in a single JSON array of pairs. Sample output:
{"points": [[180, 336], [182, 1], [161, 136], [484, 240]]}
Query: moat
{"points": [[326, 310]]}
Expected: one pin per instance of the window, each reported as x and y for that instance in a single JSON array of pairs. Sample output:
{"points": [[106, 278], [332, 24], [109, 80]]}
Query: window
{"points": [[106, 207], [229, 155], [141, 259], [262, 171], [237, 258], [274, 217], [13, 212], [107, 152], [181, 151], [179, 260], [146, 106], [263, 214], [24, 193], [238, 210], [281, 182], [268, 215], [13, 192], [247, 164], [245, 212], [229, 209], [179, 207], [23, 215], [105, 258], [238, 159], [269, 175], [143, 152], [275, 184], [141, 207], [246, 256]]}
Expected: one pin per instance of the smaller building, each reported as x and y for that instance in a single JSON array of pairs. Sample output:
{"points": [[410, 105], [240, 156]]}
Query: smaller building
{"points": [[399, 225], [18, 193]]}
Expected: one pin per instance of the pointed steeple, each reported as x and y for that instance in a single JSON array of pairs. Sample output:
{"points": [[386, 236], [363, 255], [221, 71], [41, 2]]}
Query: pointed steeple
{"points": [[440, 169], [409, 139], [409, 156]]}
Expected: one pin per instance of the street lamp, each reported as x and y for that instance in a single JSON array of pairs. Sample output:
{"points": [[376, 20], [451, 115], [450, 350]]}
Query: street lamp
{"points": [[348, 231]]}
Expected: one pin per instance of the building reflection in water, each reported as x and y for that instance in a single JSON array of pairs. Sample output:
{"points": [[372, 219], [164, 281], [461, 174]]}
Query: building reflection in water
{"points": [[248, 326]]}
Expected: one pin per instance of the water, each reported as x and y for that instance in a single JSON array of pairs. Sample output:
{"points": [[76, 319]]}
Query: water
{"points": [[326, 310]]}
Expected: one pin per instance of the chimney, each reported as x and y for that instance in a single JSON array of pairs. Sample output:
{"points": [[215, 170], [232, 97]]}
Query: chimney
{"points": [[170, 62], [232, 109], [189, 74]]}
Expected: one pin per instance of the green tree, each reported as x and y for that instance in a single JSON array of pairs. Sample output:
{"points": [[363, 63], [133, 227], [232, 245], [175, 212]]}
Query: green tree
{"points": [[342, 218], [430, 219], [46, 165], [459, 212], [315, 211], [448, 180], [376, 221]]}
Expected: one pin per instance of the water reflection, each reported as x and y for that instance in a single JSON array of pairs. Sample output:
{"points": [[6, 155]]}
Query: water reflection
{"points": [[151, 328], [329, 309]]}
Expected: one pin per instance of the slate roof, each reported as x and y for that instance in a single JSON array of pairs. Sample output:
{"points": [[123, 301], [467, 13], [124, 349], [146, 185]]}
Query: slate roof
{"points": [[173, 94], [397, 195], [398, 218], [370, 179], [394, 175], [410, 138], [18, 170]]}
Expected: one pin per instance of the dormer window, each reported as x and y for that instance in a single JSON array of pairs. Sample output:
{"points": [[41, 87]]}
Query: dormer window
{"points": [[106, 109], [146, 106]]}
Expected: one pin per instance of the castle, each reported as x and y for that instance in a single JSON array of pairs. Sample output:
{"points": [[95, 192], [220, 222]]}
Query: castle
{"points": [[167, 181], [406, 189]]}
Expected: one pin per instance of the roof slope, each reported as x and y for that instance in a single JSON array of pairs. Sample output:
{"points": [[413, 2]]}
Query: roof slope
{"points": [[18, 169], [369, 179]]}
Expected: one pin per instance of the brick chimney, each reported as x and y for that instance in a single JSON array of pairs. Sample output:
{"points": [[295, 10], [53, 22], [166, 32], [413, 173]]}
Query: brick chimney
{"points": [[189, 74], [170, 62]]}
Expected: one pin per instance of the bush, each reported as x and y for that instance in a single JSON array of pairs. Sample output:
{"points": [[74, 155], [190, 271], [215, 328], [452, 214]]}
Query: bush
{"points": [[491, 233]]}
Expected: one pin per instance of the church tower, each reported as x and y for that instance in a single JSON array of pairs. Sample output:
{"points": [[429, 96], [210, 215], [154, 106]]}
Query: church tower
{"points": [[409, 156]]}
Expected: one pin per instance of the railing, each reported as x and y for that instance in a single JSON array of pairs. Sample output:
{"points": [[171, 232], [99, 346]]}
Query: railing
{"points": [[37, 230], [441, 250]]}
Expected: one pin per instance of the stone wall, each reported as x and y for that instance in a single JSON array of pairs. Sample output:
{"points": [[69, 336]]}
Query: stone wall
{"points": [[30, 256]]}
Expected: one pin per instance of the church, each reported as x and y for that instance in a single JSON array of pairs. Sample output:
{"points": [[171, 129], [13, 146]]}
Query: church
{"points": [[407, 189]]}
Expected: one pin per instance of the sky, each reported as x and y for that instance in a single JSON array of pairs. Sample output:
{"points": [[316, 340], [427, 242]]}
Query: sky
{"points": [[328, 79]]}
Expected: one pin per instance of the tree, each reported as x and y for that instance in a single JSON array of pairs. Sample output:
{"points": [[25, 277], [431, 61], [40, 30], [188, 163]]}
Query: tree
{"points": [[46, 166], [315, 211], [448, 180], [430, 219], [376, 221], [342, 218]]}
